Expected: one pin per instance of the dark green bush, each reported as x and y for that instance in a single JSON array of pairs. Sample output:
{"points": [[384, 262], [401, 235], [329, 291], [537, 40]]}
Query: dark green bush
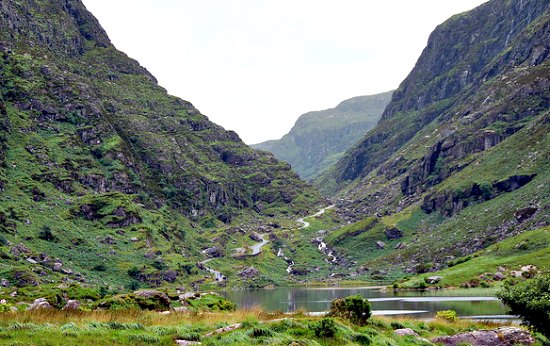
{"points": [[325, 328], [361, 339], [531, 301], [261, 332], [354, 308]]}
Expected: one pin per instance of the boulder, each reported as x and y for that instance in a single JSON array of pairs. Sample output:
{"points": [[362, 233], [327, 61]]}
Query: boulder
{"points": [[256, 236], [154, 295], [505, 336], [433, 279], [249, 273], [393, 233], [40, 303], [380, 244], [499, 276], [405, 332], [525, 213], [72, 305]]}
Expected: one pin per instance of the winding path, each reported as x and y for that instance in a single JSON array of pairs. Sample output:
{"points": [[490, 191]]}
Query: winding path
{"points": [[306, 224]]}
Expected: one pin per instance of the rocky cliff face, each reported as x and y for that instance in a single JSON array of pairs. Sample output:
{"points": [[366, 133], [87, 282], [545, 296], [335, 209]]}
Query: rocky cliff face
{"points": [[318, 139], [464, 132], [90, 143]]}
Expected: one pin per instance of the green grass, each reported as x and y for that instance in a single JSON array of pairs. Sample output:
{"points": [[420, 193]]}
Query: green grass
{"points": [[149, 328], [531, 247]]}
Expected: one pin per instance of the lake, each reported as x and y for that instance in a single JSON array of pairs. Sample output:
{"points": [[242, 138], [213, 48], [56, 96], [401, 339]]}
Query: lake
{"points": [[477, 304]]}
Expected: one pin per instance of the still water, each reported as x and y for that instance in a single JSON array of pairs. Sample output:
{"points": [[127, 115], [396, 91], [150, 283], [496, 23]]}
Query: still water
{"points": [[418, 304]]}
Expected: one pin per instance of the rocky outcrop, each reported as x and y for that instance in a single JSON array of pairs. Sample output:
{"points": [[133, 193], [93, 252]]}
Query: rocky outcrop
{"points": [[451, 202]]}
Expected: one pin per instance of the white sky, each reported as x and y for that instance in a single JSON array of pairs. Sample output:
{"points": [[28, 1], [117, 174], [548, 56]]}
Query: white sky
{"points": [[254, 66]]}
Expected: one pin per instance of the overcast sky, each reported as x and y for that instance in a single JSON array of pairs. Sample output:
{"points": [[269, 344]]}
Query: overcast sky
{"points": [[254, 66]]}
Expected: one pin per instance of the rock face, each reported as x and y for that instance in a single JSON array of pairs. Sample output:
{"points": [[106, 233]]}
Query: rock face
{"points": [[465, 134], [318, 138], [506, 336]]}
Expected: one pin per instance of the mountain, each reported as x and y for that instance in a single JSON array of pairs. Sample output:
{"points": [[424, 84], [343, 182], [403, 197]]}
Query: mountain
{"points": [[104, 177], [318, 139], [459, 160]]}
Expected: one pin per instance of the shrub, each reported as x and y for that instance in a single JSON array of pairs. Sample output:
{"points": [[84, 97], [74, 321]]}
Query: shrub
{"points": [[531, 301], [325, 328], [447, 315], [261, 332], [355, 308]]}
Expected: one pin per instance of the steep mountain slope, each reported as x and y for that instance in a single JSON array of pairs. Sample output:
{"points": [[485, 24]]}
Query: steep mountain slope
{"points": [[104, 173], [318, 139], [459, 160]]}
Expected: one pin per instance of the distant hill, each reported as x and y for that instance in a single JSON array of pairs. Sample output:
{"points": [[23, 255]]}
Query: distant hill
{"points": [[319, 139]]}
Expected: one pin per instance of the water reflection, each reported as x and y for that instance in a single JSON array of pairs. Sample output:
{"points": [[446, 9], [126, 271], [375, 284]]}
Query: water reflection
{"points": [[422, 304]]}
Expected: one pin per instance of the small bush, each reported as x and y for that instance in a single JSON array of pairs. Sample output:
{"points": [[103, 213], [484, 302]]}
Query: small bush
{"points": [[325, 328], [361, 339], [354, 308], [531, 301], [447, 315], [261, 332]]}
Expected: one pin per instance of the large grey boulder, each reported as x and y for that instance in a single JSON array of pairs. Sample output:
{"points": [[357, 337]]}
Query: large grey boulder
{"points": [[505, 336]]}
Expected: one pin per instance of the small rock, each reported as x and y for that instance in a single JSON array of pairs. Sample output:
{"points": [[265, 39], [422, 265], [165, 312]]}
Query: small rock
{"points": [[249, 273], [134, 239], [393, 233], [256, 236], [13, 294], [405, 332], [181, 309], [186, 296], [4, 283], [380, 244], [40, 303], [433, 279], [187, 343], [499, 276], [3, 302], [400, 246], [72, 305]]}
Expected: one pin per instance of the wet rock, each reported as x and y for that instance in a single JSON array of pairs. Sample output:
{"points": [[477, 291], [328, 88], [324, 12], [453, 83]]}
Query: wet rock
{"points": [[72, 305], [249, 273], [405, 332], [393, 233], [380, 244], [505, 336], [38, 304]]}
